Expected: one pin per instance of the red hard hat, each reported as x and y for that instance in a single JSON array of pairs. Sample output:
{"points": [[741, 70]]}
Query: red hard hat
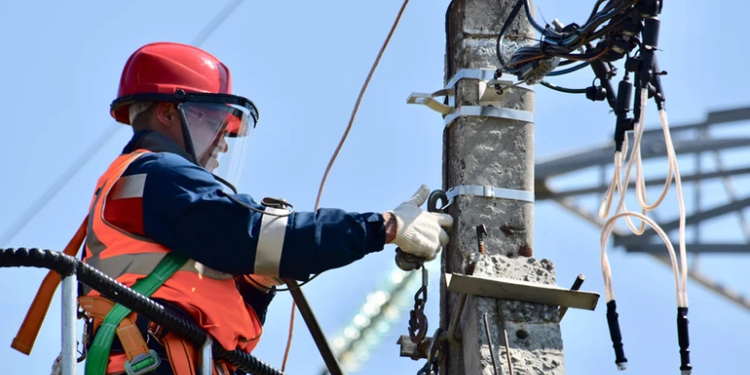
{"points": [[166, 67]]}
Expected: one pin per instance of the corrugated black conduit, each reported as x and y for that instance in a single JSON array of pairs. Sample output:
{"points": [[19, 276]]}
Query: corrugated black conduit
{"points": [[66, 265]]}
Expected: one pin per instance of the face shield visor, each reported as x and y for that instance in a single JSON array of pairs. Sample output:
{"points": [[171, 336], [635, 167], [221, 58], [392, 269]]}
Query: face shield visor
{"points": [[219, 136], [216, 129]]}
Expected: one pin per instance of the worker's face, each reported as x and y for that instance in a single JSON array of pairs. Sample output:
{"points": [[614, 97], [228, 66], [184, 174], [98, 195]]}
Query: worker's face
{"points": [[207, 124], [219, 133], [210, 158]]}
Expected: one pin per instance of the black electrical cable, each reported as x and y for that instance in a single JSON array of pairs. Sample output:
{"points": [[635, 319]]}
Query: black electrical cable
{"points": [[563, 89], [556, 44], [105, 137], [610, 26], [602, 71], [566, 62], [618, 12], [546, 31], [604, 17], [569, 70], [595, 10], [67, 265], [506, 25]]}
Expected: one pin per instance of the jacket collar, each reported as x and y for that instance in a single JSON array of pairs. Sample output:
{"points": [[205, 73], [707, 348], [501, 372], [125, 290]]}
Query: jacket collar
{"points": [[154, 142]]}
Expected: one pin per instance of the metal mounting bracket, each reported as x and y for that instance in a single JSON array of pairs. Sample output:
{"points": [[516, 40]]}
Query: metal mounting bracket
{"points": [[412, 350], [486, 78], [508, 289], [489, 98], [430, 102]]}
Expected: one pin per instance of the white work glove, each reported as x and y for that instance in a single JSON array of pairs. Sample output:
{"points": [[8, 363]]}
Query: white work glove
{"points": [[264, 283], [419, 232]]}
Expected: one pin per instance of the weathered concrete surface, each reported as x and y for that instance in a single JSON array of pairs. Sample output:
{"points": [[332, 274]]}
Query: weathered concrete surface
{"points": [[496, 152], [534, 336]]}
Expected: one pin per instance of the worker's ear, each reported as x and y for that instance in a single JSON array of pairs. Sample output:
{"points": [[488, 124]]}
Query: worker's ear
{"points": [[167, 115]]}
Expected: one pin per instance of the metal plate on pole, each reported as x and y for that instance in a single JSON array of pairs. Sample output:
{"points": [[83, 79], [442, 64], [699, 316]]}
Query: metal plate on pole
{"points": [[507, 289]]}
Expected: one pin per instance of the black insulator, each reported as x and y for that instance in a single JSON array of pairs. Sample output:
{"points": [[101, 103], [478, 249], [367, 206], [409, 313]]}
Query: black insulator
{"points": [[596, 93], [632, 26], [650, 44], [614, 333], [602, 71], [682, 335], [633, 64], [624, 123], [651, 32]]}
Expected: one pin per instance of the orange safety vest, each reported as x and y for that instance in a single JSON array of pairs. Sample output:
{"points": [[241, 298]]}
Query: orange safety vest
{"points": [[210, 297]]}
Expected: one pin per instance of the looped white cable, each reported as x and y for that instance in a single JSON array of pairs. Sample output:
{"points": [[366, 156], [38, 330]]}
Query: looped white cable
{"points": [[616, 185], [680, 272], [607, 232]]}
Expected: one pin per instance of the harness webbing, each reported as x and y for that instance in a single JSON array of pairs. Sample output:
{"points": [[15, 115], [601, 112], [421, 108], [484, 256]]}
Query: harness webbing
{"points": [[98, 355]]}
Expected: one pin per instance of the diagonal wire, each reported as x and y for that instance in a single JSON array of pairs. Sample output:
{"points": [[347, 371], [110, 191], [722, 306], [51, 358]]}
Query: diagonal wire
{"points": [[105, 137], [292, 283]]}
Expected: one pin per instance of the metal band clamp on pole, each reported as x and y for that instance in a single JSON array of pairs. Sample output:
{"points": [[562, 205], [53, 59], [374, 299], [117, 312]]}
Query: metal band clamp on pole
{"points": [[490, 192], [487, 75], [487, 111]]}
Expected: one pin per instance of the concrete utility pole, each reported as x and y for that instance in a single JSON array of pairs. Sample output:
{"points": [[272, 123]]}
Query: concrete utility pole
{"points": [[494, 148]]}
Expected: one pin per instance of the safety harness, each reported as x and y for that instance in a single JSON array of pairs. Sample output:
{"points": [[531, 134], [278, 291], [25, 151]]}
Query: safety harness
{"points": [[110, 320], [114, 323]]}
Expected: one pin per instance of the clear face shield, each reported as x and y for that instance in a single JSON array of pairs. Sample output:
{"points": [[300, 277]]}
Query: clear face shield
{"points": [[216, 129], [220, 136]]}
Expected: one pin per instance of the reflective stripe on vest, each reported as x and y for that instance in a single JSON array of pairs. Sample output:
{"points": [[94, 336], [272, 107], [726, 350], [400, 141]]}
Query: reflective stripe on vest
{"points": [[209, 296], [137, 262]]}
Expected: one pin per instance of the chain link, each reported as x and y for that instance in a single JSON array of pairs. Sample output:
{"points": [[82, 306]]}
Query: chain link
{"points": [[432, 367], [417, 319]]}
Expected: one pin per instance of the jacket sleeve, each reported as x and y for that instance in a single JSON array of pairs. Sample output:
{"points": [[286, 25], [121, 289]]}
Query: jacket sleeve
{"points": [[186, 210]]}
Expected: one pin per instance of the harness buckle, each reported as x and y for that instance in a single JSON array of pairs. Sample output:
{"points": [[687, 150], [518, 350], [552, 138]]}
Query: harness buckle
{"points": [[143, 363]]}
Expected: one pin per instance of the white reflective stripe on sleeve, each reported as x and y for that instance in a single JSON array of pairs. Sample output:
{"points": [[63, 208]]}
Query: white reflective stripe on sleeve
{"points": [[129, 187], [270, 244]]}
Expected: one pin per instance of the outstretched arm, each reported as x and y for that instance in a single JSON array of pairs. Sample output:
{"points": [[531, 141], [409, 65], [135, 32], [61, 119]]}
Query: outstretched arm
{"points": [[185, 209]]}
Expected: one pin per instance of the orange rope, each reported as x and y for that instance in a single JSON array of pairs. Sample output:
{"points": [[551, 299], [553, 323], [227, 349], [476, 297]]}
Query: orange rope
{"points": [[338, 148]]}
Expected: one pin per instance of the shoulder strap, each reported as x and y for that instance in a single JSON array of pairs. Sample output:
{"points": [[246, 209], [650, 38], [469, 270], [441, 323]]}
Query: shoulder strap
{"points": [[32, 323], [27, 333], [98, 354]]}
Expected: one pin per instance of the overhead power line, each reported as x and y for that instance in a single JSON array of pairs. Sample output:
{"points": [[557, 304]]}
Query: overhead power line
{"points": [[105, 137]]}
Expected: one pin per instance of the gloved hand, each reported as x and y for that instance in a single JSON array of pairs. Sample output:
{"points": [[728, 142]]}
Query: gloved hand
{"points": [[419, 232]]}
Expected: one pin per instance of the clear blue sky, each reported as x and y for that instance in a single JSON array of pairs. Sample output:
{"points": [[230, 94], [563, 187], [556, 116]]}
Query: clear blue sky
{"points": [[303, 64]]}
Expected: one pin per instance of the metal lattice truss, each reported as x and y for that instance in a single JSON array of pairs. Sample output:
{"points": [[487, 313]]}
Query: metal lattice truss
{"points": [[695, 141]]}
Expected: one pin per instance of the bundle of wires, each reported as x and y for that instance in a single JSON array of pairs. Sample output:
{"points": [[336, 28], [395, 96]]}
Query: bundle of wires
{"points": [[614, 26], [614, 29], [620, 185]]}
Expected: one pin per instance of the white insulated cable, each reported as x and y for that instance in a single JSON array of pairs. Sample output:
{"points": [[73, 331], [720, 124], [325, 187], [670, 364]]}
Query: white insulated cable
{"points": [[607, 272], [680, 272], [681, 202], [616, 185]]}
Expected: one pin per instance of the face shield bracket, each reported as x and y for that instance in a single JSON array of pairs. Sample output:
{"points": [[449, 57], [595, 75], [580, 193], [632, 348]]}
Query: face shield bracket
{"points": [[181, 96]]}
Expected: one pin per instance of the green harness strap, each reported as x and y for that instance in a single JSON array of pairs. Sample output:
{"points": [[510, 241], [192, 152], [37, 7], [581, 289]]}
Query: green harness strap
{"points": [[98, 355]]}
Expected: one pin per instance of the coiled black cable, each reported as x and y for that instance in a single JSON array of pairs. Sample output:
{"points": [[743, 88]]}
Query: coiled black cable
{"points": [[66, 265]]}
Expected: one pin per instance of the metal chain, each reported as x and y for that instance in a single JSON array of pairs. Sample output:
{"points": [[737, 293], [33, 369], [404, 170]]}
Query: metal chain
{"points": [[417, 318], [432, 367]]}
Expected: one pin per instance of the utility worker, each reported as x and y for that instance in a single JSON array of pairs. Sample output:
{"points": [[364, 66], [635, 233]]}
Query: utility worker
{"points": [[162, 203]]}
